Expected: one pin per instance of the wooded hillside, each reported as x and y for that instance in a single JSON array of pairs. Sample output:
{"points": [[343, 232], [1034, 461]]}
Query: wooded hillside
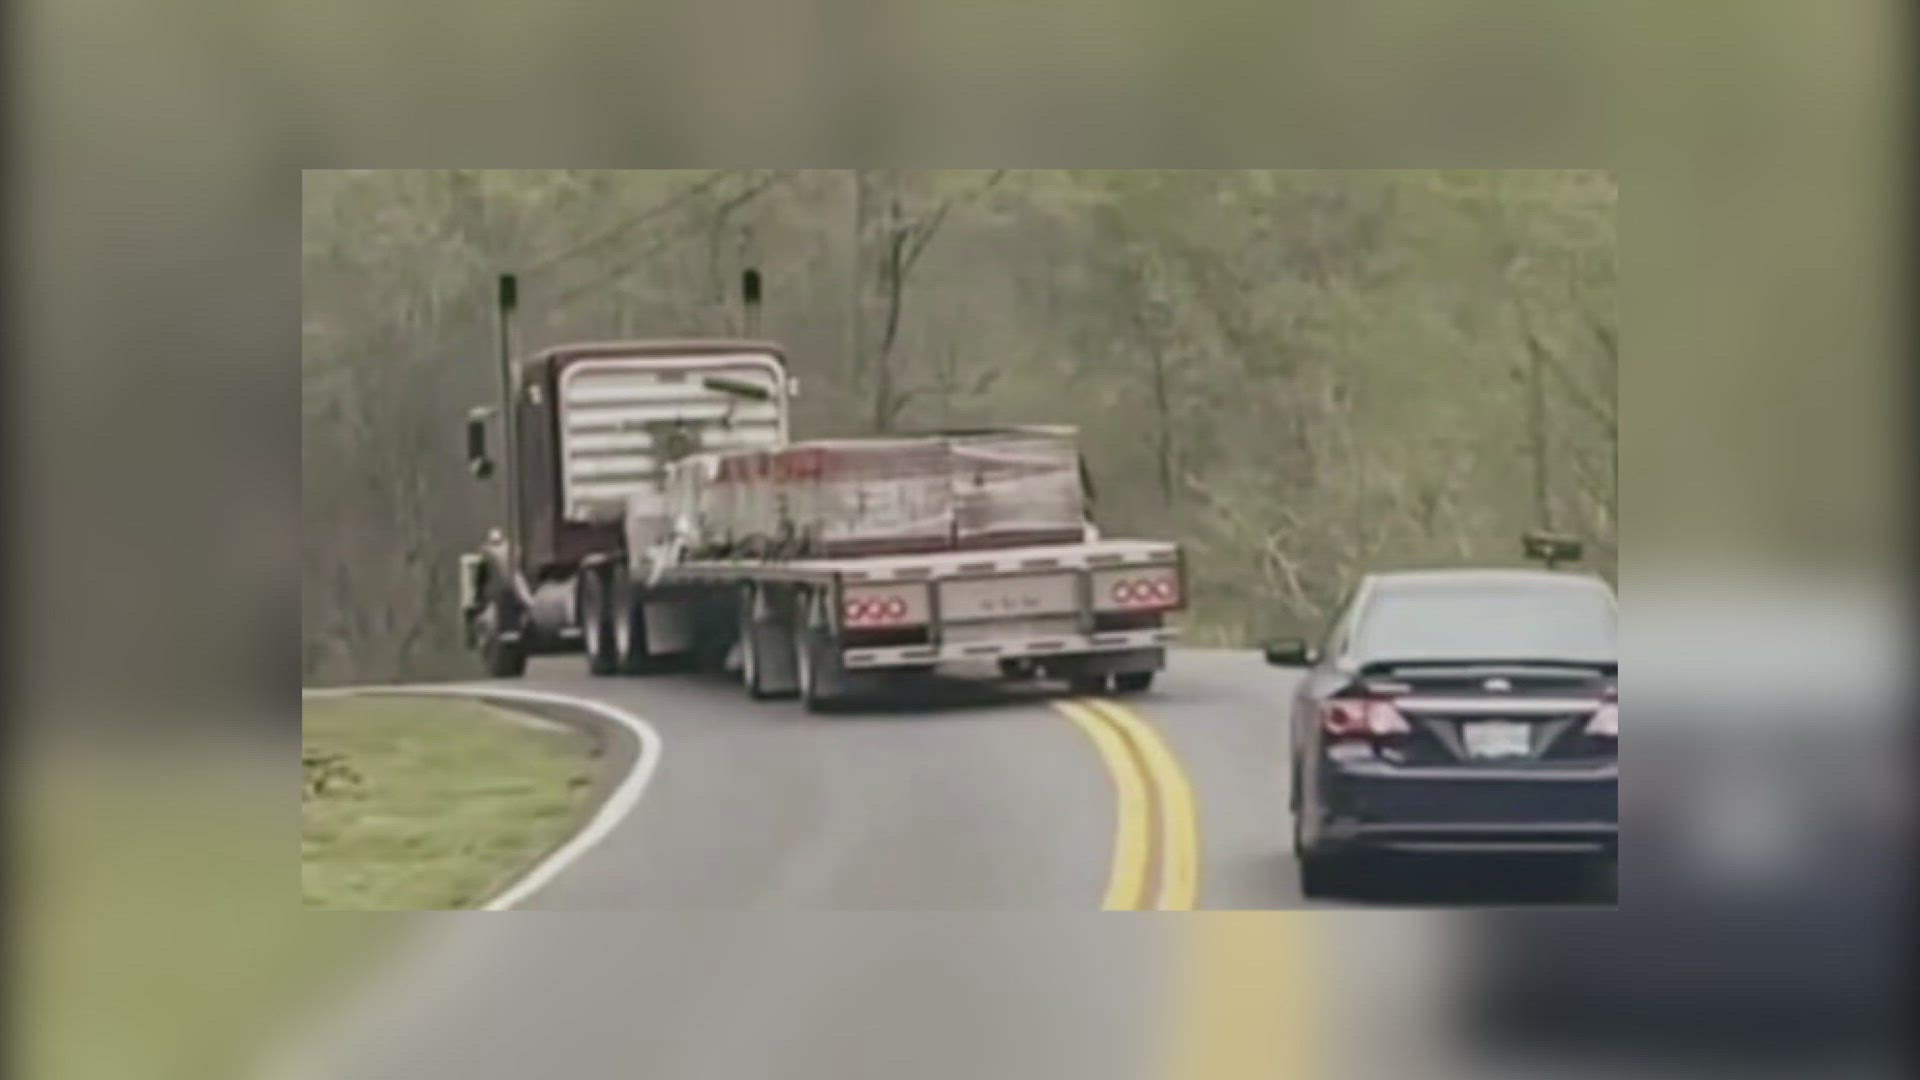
{"points": [[1299, 375]]}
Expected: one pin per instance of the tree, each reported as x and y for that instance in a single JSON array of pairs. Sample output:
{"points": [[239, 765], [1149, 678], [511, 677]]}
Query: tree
{"points": [[886, 252], [1299, 375]]}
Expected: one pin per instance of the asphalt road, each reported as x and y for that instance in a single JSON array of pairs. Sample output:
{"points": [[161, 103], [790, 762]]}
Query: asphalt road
{"points": [[957, 794], [949, 794], [952, 795], [904, 891], [742, 996]]}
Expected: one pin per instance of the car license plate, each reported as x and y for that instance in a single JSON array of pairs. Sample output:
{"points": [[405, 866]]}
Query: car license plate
{"points": [[1497, 739]]}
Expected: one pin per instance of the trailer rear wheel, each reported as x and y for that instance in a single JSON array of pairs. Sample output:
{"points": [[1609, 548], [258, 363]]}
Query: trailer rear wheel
{"points": [[596, 621], [757, 662]]}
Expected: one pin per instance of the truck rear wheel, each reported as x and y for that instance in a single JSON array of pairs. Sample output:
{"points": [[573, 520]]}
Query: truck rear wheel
{"points": [[596, 622], [1132, 682]]}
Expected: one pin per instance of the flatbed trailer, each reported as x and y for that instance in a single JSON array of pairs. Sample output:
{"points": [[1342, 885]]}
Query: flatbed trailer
{"points": [[599, 558], [1091, 613]]}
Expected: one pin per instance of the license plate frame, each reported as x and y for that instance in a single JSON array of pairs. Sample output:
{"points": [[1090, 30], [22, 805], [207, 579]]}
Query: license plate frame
{"points": [[1009, 596], [1497, 740]]}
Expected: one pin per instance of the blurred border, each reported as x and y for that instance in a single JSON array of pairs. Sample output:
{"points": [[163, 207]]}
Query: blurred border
{"points": [[155, 298]]}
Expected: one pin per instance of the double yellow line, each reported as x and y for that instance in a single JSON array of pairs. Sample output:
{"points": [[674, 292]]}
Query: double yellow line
{"points": [[1242, 1004], [1156, 848]]}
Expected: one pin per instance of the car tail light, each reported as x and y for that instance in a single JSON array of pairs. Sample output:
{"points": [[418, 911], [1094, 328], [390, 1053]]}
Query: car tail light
{"points": [[1606, 720], [1142, 588], [866, 607], [1362, 718]]}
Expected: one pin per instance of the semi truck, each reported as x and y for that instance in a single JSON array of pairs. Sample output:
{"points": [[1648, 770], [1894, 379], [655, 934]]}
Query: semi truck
{"points": [[659, 516]]}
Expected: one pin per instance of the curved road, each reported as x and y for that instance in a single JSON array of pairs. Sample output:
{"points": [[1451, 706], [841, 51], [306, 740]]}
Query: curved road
{"points": [[965, 794], [901, 893], [948, 795], [997, 803]]}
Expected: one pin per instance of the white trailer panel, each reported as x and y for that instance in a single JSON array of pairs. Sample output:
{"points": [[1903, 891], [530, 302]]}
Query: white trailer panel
{"points": [[616, 413]]}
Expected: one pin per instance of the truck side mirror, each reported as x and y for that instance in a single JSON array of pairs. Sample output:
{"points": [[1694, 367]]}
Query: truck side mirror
{"points": [[477, 460]]}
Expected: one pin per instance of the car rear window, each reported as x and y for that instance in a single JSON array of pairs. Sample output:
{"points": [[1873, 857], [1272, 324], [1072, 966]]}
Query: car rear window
{"points": [[1481, 621]]}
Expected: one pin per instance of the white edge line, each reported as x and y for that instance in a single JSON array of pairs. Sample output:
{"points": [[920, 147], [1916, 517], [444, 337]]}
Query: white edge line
{"points": [[613, 809]]}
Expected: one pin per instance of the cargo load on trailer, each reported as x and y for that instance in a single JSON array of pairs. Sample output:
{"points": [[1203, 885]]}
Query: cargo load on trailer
{"points": [[841, 497]]}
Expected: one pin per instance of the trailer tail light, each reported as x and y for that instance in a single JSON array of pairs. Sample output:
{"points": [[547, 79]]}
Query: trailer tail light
{"points": [[1141, 588], [866, 607], [1362, 718]]}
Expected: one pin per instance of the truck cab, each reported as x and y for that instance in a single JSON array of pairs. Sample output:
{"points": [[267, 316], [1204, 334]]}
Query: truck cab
{"points": [[587, 435]]}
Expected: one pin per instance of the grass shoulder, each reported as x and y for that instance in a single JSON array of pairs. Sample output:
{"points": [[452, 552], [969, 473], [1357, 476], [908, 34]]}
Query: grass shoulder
{"points": [[427, 803]]}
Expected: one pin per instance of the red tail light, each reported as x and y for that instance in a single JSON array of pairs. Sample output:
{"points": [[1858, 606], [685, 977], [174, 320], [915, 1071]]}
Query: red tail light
{"points": [[874, 606], [1145, 588], [1362, 718]]}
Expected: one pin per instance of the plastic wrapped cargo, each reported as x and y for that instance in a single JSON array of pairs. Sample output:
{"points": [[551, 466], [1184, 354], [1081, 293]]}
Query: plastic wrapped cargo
{"points": [[825, 497], [881, 495], [1019, 486], [871, 495]]}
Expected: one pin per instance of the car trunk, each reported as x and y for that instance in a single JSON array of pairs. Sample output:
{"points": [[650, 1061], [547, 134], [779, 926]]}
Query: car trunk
{"points": [[1507, 715]]}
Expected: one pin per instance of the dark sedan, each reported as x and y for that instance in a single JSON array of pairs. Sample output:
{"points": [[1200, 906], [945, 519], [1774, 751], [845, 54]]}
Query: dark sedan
{"points": [[1456, 711]]}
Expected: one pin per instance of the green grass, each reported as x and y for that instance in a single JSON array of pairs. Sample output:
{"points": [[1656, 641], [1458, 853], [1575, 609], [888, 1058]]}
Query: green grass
{"points": [[412, 803]]}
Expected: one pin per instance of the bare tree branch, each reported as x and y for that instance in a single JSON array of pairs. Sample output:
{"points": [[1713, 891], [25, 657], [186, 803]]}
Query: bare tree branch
{"points": [[1588, 401], [616, 230], [606, 277], [924, 230]]}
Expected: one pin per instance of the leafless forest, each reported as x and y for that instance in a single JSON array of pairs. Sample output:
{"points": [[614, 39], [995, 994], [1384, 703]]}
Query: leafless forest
{"points": [[1299, 375]]}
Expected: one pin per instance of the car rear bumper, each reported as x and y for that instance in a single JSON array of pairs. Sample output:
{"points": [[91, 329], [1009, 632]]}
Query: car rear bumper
{"points": [[1471, 810]]}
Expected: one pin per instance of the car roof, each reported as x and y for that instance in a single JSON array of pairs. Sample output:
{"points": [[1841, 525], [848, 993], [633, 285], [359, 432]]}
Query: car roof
{"points": [[1451, 576]]}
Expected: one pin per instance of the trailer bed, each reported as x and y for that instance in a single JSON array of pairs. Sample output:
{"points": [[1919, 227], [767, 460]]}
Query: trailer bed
{"points": [[928, 566]]}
